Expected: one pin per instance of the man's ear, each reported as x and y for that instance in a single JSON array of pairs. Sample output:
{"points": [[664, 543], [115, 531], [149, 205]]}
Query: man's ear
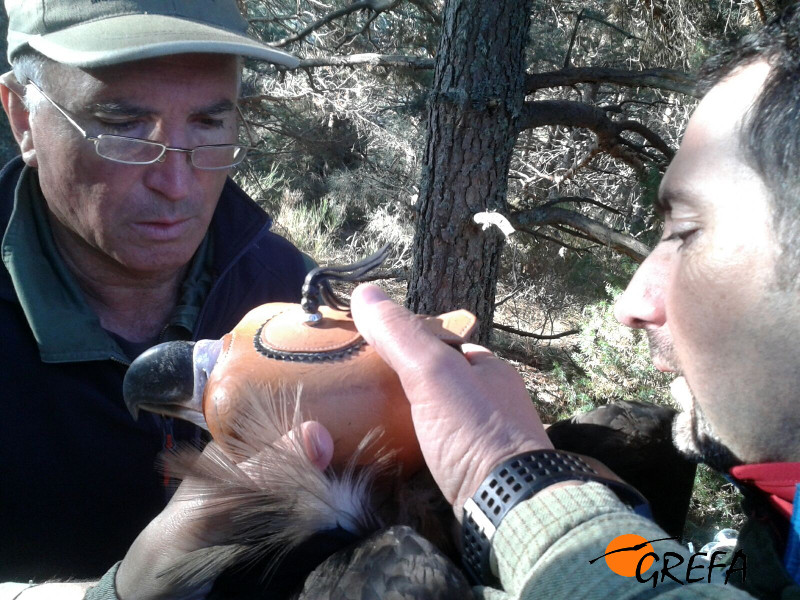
{"points": [[11, 93]]}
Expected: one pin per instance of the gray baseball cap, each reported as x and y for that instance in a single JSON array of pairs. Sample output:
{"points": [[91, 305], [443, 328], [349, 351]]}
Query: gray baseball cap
{"points": [[95, 33]]}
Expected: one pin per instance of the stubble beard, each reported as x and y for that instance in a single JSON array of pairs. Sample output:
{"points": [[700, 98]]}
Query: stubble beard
{"points": [[692, 432], [695, 437]]}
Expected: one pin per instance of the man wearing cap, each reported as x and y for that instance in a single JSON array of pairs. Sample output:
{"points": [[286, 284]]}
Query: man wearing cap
{"points": [[121, 229]]}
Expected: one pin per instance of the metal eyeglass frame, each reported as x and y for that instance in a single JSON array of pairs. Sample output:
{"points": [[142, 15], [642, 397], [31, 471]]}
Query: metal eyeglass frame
{"points": [[164, 148]]}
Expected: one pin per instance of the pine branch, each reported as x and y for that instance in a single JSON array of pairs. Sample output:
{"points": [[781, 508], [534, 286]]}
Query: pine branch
{"points": [[580, 200], [569, 113], [536, 336], [377, 6], [665, 79], [586, 228], [648, 134], [370, 58]]}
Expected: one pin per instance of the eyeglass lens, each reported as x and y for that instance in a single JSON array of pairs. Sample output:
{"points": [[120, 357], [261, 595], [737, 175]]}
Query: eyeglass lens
{"points": [[133, 151]]}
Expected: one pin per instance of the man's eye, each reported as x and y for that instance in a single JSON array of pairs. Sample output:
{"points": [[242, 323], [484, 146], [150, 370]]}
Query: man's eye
{"points": [[211, 123], [684, 236], [120, 126]]}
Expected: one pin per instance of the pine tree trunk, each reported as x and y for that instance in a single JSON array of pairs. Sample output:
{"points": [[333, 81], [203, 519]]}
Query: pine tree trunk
{"points": [[477, 97]]}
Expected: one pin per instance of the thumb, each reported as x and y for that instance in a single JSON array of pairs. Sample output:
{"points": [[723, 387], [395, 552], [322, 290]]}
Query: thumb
{"points": [[318, 444], [396, 333], [311, 439]]}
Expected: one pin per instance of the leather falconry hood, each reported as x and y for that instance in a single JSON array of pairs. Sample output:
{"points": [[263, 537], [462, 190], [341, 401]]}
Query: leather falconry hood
{"points": [[312, 350]]}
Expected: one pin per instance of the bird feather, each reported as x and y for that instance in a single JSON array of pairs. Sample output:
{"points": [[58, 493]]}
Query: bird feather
{"points": [[265, 493]]}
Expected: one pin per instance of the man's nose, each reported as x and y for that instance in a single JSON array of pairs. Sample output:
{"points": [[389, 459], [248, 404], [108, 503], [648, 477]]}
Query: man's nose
{"points": [[172, 176], [641, 305]]}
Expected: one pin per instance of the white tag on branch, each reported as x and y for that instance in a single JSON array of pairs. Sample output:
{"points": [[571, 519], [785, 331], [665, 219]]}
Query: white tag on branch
{"points": [[487, 219]]}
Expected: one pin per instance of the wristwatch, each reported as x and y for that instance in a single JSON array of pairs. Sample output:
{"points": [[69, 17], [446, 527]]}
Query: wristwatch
{"points": [[514, 481]]}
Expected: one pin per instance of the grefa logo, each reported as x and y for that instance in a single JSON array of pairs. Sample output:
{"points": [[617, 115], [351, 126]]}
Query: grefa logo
{"points": [[631, 555]]}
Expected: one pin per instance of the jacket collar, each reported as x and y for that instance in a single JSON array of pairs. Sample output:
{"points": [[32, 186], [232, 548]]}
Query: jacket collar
{"points": [[64, 326], [776, 482]]}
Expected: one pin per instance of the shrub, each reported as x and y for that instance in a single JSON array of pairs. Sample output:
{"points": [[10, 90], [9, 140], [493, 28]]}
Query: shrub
{"points": [[613, 361]]}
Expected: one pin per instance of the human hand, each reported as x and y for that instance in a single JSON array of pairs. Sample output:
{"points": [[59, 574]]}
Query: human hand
{"points": [[470, 410], [181, 528]]}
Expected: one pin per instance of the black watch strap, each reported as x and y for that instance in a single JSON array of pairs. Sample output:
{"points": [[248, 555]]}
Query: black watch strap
{"points": [[514, 481]]}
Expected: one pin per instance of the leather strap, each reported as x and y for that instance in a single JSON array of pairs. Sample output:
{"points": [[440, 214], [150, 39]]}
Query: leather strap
{"points": [[288, 336]]}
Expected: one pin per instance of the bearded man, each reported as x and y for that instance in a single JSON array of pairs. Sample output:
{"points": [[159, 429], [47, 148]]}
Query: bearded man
{"points": [[720, 301]]}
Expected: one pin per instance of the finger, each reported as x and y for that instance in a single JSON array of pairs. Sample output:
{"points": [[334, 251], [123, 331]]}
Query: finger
{"points": [[475, 353], [394, 332], [314, 440], [318, 444]]}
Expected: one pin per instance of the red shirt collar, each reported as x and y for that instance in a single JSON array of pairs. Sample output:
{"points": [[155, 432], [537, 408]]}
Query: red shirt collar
{"points": [[776, 480]]}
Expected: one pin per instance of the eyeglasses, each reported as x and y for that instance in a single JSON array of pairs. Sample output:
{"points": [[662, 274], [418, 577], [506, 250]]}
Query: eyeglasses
{"points": [[136, 151]]}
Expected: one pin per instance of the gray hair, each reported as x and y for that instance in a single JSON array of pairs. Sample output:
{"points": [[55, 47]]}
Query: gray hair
{"points": [[32, 66]]}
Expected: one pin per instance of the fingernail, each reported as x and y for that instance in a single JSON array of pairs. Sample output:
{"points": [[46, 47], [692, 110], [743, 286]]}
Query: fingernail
{"points": [[315, 449], [371, 294]]}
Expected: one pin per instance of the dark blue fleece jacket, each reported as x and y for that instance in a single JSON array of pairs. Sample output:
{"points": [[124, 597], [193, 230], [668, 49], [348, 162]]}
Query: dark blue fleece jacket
{"points": [[77, 473]]}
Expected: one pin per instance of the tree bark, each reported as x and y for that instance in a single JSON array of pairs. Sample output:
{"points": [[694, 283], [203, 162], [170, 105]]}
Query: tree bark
{"points": [[476, 101]]}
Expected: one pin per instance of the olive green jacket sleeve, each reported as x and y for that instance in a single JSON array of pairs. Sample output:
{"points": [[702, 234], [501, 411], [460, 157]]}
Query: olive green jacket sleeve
{"points": [[544, 546], [104, 589]]}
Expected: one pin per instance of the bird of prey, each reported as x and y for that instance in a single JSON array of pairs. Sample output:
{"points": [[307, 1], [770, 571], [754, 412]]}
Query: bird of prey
{"points": [[372, 525], [635, 440], [374, 519]]}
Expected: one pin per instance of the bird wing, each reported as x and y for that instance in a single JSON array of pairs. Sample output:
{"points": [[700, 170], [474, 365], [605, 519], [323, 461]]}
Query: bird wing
{"points": [[393, 564]]}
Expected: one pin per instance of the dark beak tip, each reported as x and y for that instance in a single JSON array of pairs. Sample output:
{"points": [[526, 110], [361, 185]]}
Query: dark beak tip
{"points": [[163, 374]]}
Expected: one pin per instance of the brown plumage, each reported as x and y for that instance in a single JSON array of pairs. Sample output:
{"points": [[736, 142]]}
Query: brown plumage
{"points": [[392, 564]]}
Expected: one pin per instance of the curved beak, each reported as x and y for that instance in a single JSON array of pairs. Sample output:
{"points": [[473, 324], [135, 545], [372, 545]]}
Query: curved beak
{"points": [[169, 379]]}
